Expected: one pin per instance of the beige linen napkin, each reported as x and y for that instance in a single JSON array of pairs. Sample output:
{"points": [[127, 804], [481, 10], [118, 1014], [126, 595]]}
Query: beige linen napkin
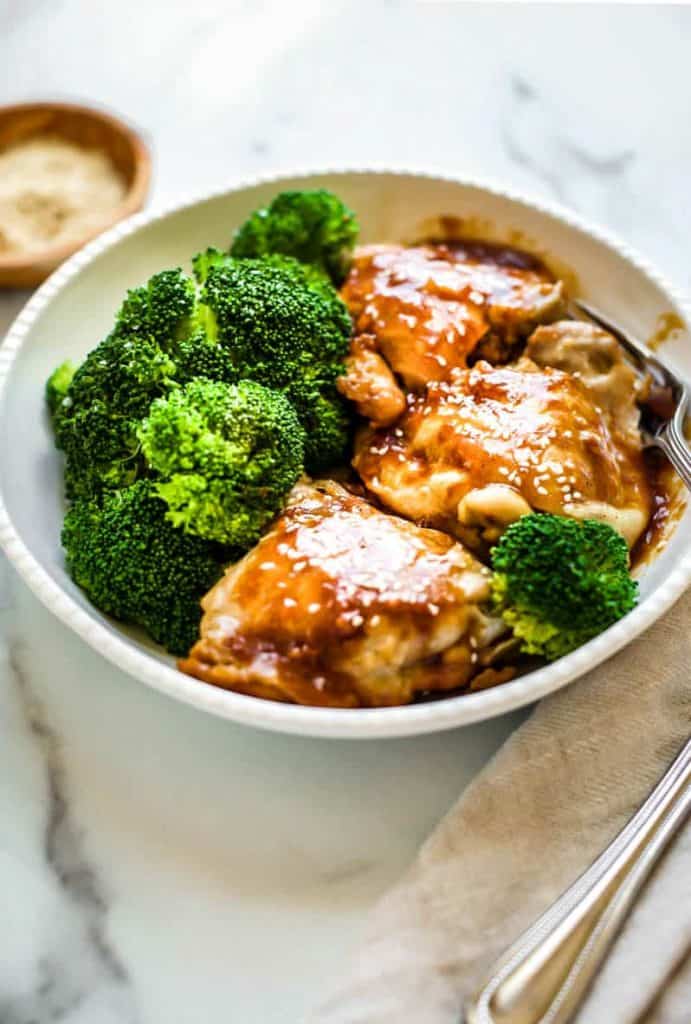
{"points": [[550, 800], [671, 1001]]}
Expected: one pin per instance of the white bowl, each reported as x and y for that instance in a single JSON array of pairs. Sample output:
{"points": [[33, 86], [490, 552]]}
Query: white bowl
{"points": [[74, 309]]}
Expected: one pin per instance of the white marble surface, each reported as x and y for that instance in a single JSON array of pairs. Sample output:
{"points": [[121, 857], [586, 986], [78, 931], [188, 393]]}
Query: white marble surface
{"points": [[158, 866]]}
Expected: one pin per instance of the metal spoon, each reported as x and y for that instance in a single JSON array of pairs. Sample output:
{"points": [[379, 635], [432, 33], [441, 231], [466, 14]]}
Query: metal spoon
{"points": [[543, 978]]}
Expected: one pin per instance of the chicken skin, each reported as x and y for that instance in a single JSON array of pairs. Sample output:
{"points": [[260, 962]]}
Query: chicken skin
{"points": [[597, 358], [473, 454], [425, 310], [341, 605]]}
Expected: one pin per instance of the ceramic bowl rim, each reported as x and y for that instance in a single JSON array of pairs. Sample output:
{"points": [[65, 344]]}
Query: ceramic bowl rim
{"points": [[413, 719]]}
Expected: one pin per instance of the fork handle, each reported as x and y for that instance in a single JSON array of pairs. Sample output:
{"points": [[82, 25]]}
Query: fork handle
{"points": [[543, 978]]}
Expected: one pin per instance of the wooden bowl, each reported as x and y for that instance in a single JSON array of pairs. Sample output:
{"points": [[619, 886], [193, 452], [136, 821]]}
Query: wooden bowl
{"points": [[89, 128]]}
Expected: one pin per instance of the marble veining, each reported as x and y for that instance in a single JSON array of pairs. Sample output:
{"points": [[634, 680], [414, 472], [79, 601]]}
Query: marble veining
{"points": [[536, 139], [158, 866], [69, 974]]}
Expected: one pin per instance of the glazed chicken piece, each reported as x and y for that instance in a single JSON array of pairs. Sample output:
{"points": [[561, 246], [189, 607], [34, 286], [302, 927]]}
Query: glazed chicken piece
{"points": [[341, 605], [473, 454], [425, 310], [593, 355], [370, 384]]}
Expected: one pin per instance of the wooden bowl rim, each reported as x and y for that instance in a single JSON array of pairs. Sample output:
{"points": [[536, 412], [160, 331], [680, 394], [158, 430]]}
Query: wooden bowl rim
{"points": [[132, 202]]}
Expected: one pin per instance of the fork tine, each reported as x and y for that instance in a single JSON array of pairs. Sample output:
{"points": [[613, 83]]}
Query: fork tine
{"points": [[666, 387], [636, 348], [646, 360]]}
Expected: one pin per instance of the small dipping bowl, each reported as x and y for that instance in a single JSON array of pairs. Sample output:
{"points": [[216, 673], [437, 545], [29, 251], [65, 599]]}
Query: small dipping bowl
{"points": [[92, 129]]}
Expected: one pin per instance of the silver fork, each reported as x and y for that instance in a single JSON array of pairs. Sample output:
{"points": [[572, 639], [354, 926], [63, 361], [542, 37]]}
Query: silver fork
{"points": [[664, 412], [544, 976]]}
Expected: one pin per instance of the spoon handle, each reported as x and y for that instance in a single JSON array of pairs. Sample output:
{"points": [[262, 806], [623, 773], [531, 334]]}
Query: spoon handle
{"points": [[543, 978]]}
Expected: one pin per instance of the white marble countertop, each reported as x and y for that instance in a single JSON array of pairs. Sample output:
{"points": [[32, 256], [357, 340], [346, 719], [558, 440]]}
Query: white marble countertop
{"points": [[158, 866]]}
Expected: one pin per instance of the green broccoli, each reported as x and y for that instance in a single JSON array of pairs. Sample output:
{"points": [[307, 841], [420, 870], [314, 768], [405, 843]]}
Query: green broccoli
{"points": [[205, 261], [96, 418], [157, 343], [558, 582], [162, 310], [287, 336], [164, 439], [313, 226], [308, 276], [136, 566], [327, 422], [58, 384], [304, 275], [225, 457], [96, 422], [198, 357]]}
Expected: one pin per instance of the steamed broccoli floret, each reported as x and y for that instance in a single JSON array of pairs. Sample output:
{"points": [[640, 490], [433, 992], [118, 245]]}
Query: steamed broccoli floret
{"points": [[162, 310], [313, 226], [58, 384], [286, 336], [97, 417], [309, 276], [135, 565], [203, 262], [96, 422], [304, 275], [200, 358], [158, 342], [559, 582], [225, 455], [327, 422]]}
